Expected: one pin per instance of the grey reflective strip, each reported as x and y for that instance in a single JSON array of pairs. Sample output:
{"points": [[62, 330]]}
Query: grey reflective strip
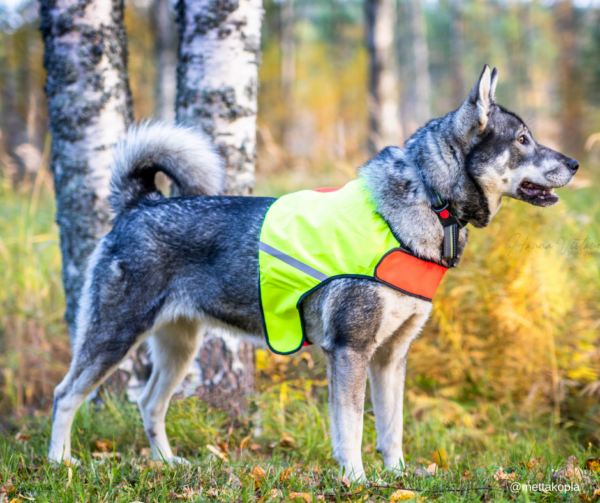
{"points": [[301, 266]]}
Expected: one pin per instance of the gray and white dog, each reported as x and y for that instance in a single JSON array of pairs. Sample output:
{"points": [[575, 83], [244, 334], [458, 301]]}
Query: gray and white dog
{"points": [[171, 267]]}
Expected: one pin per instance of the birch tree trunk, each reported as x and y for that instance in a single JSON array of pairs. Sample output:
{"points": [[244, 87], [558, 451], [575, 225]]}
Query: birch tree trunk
{"points": [[383, 98], [217, 84], [422, 84], [89, 107], [165, 32]]}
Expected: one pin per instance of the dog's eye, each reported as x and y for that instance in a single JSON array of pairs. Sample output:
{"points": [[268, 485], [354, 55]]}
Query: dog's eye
{"points": [[522, 139]]}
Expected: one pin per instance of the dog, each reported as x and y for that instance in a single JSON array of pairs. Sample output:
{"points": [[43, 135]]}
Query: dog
{"points": [[171, 267]]}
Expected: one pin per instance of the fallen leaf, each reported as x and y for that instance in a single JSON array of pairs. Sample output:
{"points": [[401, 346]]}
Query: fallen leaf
{"points": [[423, 473], [466, 475], [146, 452], [440, 458], [224, 447], [402, 495], [593, 464], [255, 447], [285, 475], [502, 476], [257, 474], [216, 452], [213, 493], [345, 481], [287, 442], [8, 486], [585, 497], [245, 441], [432, 468], [305, 496], [571, 472], [22, 437], [104, 445], [15, 500]]}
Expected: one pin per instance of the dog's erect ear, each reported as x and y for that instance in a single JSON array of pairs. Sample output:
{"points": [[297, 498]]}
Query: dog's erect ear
{"points": [[494, 79], [481, 98]]}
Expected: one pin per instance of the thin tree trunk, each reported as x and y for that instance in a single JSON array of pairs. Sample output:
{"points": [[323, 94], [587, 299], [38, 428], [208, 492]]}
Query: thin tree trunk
{"points": [[217, 84], [383, 104], [165, 30], [569, 78], [456, 52], [11, 123], [422, 84], [89, 107], [288, 71]]}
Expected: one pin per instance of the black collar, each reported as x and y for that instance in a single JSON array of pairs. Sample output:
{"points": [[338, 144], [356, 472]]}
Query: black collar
{"points": [[450, 222]]}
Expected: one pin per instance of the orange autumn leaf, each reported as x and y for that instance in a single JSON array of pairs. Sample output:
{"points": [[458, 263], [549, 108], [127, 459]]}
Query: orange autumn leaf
{"points": [[285, 475], [593, 464], [245, 441], [304, 496]]}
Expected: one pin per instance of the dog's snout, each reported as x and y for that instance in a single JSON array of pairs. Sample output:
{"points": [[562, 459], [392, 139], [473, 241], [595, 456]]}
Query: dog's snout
{"points": [[573, 165]]}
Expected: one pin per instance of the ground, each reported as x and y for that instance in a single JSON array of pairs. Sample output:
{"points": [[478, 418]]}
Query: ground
{"points": [[289, 456]]}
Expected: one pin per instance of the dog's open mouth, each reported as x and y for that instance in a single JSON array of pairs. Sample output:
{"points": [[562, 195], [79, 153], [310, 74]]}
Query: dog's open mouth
{"points": [[536, 194]]}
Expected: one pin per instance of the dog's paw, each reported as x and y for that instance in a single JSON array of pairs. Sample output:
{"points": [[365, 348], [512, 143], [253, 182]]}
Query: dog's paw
{"points": [[67, 461], [177, 460]]}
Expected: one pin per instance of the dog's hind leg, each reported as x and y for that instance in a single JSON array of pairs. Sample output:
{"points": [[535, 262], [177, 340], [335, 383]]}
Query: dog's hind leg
{"points": [[94, 359], [387, 370], [172, 347]]}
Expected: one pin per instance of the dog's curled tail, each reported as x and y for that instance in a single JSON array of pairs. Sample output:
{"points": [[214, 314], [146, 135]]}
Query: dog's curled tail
{"points": [[184, 154]]}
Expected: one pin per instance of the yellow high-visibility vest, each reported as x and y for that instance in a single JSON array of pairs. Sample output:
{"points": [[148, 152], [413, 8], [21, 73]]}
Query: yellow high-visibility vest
{"points": [[309, 238]]}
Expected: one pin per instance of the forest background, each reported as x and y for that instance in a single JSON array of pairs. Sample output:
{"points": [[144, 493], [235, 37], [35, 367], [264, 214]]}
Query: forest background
{"points": [[515, 329]]}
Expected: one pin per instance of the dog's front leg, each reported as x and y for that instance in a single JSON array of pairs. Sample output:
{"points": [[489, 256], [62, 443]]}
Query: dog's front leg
{"points": [[387, 392], [387, 370], [347, 373]]}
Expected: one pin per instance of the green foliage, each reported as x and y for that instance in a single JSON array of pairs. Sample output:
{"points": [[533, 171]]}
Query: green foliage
{"points": [[34, 349]]}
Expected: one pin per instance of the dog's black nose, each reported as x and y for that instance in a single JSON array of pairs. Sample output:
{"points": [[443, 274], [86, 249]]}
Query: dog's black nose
{"points": [[573, 165]]}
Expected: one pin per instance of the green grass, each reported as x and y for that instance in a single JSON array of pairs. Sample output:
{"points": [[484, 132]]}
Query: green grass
{"points": [[471, 456]]}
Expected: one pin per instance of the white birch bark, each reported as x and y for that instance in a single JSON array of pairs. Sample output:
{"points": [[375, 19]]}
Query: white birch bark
{"points": [[217, 84], [383, 104], [89, 106]]}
